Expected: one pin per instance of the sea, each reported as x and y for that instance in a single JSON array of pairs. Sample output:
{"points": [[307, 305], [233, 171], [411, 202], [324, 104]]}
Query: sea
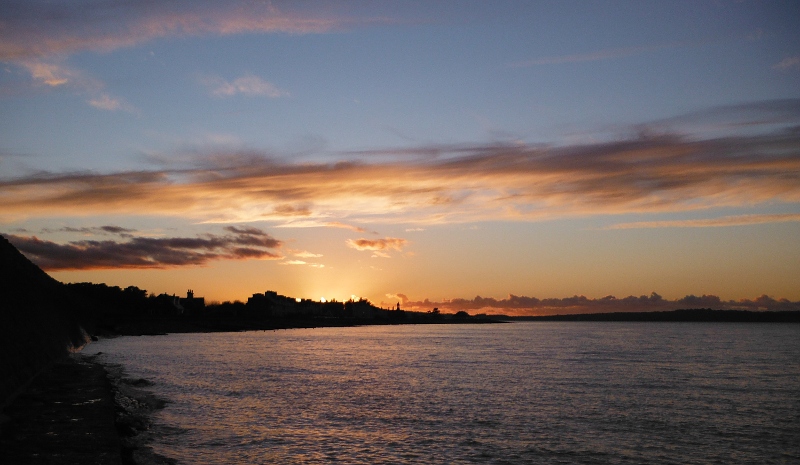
{"points": [[514, 393]]}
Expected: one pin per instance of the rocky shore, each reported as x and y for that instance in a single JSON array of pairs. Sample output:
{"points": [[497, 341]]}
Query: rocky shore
{"points": [[78, 411]]}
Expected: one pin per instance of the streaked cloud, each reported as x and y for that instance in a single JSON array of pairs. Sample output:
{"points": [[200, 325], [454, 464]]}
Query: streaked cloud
{"points": [[306, 254], [788, 63], [736, 220], [598, 55], [40, 36], [388, 243], [248, 85], [107, 102], [50, 74], [55, 74], [522, 305], [43, 29], [95, 230], [321, 224], [148, 252], [496, 182]]}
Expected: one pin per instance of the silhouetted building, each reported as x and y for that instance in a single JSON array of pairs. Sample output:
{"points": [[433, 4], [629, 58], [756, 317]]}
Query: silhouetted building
{"points": [[271, 303], [192, 304]]}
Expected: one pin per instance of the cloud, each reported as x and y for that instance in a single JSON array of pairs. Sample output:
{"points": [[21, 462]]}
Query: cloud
{"points": [[106, 102], [378, 245], [737, 220], [729, 119], [321, 224], [39, 36], [402, 298], [44, 29], [101, 230], [302, 262], [50, 74], [56, 75], [306, 254], [788, 63], [644, 173], [599, 55], [146, 252], [522, 305], [247, 85]]}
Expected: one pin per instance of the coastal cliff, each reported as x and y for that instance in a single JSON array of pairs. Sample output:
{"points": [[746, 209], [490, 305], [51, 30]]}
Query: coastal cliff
{"points": [[38, 318]]}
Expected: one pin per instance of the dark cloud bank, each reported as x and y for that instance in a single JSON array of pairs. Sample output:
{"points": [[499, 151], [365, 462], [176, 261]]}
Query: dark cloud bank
{"points": [[522, 305], [147, 252]]}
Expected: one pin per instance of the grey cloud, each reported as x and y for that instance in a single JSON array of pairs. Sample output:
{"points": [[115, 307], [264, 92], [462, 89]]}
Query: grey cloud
{"points": [[145, 252], [522, 305]]}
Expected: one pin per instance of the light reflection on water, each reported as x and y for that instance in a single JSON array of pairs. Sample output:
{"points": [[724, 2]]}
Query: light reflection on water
{"points": [[511, 393]]}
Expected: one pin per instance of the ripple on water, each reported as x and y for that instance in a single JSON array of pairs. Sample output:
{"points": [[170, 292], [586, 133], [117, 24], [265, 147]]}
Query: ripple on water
{"points": [[520, 393]]}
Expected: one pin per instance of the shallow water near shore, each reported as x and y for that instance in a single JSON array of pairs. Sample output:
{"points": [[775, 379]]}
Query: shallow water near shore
{"points": [[515, 393]]}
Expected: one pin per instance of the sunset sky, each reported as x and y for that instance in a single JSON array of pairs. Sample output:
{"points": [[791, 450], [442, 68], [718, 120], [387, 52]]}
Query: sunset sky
{"points": [[409, 150]]}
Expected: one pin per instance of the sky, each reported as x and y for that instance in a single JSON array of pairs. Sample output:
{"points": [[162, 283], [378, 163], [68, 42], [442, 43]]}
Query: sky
{"points": [[521, 157]]}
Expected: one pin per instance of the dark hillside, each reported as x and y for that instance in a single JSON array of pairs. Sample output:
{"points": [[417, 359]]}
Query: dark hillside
{"points": [[38, 320]]}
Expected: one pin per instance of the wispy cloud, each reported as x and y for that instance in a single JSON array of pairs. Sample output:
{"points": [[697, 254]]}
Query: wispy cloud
{"points": [[643, 174], [598, 55], [788, 63], [737, 220], [321, 224], [95, 230], [306, 254], [40, 36], [378, 247], [43, 29], [248, 85], [54, 74], [51, 74], [146, 252], [301, 262], [106, 102], [522, 305]]}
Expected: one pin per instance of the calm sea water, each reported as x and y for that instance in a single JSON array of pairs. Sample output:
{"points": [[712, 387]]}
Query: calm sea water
{"points": [[660, 393]]}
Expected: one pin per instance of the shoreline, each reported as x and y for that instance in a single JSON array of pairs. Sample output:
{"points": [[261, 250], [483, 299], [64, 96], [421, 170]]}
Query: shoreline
{"points": [[157, 326], [80, 410], [65, 415]]}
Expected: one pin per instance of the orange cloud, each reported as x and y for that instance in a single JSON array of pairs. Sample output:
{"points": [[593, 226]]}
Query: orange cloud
{"points": [[473, 183], [738, 220], [378, 245]]}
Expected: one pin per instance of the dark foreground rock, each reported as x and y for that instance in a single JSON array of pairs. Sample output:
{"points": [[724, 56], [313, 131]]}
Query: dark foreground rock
{"points": [[77, 411], [65, 416]]}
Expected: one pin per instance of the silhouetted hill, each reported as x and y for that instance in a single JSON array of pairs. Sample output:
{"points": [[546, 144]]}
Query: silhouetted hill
{"points": [[38, 320]]}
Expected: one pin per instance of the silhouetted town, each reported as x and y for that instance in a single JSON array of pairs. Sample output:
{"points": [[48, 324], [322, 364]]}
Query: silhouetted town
{"points": [[132, 311]]}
